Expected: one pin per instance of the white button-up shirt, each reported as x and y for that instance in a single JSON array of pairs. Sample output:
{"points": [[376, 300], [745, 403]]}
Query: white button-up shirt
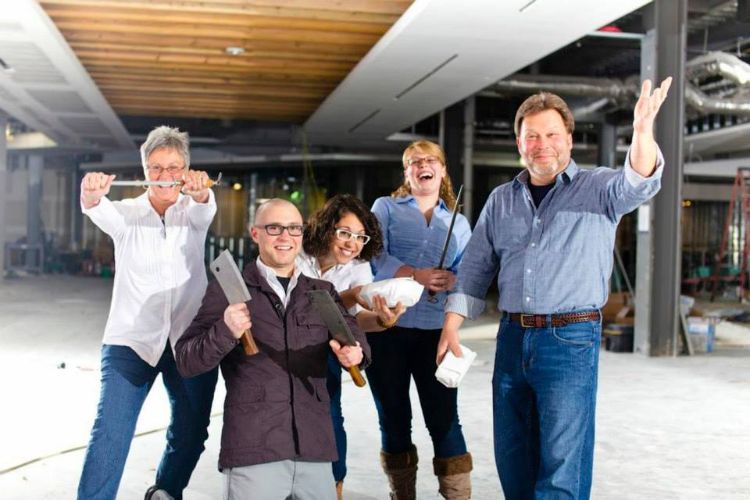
{"points": [[161, 276], [343, 276], [273, 281]]}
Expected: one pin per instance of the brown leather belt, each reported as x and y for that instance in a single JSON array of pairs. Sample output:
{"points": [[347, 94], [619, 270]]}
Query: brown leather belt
{"points": [[556, 320]]}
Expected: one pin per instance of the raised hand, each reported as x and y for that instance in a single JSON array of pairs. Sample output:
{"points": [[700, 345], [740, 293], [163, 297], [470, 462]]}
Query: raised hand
{"points": [[648, 105], [196, 185], [94, 186]]}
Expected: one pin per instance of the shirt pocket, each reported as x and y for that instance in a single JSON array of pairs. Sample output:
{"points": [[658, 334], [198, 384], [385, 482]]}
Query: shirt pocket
{"points": [[513, 232], [569, 229]]}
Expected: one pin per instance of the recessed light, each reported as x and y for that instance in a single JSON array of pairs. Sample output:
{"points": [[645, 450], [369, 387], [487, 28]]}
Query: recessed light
{"points": [[234, 51]]}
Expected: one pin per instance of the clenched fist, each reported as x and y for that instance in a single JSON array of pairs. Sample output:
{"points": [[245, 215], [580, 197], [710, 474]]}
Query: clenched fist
{"points": [[237, 319], [94, 186], [196, 185]]}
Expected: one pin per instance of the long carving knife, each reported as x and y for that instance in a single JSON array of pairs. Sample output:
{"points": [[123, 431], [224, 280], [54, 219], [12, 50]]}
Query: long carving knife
{"points": [[337, 325], [233, 285]]}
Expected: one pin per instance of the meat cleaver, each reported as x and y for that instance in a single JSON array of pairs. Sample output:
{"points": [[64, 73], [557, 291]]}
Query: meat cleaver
{"points": [[337, 325], [230, 279]]}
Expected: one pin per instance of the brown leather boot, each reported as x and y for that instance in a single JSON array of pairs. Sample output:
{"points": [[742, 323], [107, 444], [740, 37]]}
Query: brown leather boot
{"points": [[401, 469], [339, 490], [453, 476]]}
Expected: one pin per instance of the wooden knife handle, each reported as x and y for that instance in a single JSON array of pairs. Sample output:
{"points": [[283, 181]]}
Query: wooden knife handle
{"points": [[248, 343], [357, 377]]}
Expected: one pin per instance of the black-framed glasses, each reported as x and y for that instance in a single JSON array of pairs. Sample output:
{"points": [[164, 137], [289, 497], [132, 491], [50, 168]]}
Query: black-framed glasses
{"points": [[345, 235], [170, 170], [277, 229], [429, 160]]}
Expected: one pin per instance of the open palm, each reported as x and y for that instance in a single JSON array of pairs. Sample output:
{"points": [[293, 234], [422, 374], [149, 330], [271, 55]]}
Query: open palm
{"points": [[648, 105]]}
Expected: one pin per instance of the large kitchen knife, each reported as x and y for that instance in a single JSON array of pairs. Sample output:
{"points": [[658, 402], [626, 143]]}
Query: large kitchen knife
{"points": [[337, 325], [230, 279]]}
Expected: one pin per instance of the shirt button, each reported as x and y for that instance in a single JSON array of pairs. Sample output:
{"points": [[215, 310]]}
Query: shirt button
{"points": [[533, 245], [528, 299], [528, 271], [537, 221]]}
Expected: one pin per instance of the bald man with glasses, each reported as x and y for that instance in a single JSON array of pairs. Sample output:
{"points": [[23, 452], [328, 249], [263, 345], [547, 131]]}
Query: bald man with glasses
{"points": [[277, 440]]}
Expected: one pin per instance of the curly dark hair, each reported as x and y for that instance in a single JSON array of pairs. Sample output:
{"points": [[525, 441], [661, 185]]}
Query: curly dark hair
{"points": [[321, 226]]}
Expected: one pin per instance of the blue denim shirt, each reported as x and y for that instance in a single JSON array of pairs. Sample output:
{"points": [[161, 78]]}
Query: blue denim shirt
{"points": [[556, 258], [409, 240]]}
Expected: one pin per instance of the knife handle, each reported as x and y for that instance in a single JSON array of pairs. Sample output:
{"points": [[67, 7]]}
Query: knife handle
{"points": [[248, 343], [357, 377]]}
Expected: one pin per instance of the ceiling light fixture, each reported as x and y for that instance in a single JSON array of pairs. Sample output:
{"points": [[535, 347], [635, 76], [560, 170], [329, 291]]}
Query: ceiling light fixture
{"points": [[234, 51]]}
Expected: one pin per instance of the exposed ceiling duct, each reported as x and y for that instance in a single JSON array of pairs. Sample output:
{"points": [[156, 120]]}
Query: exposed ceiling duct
{"points": [[719, 83]]}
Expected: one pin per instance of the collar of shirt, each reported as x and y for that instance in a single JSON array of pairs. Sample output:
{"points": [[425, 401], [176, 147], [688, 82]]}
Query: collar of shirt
{"points": [[270, 277], [180, 204], [565, 176], [411, 200], [338, 275]]}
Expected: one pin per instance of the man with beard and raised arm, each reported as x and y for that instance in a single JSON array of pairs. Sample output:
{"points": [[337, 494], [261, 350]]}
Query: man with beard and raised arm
{"points": [[277, 440], [548, 236]]}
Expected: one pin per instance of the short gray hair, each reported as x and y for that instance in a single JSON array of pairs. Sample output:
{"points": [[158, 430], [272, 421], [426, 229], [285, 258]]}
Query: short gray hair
{"points": [[166, 137]]}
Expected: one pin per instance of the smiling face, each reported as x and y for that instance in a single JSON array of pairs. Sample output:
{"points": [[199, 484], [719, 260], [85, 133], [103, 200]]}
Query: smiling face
{"points": [[545, 145], [164, 164], [423, 172], [277, 252], [345, 250]]}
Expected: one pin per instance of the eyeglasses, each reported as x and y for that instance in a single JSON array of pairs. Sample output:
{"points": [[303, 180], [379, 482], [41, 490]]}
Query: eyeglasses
{"points": [[429, 160], [346, 235], [170, 170], [277, 229]]}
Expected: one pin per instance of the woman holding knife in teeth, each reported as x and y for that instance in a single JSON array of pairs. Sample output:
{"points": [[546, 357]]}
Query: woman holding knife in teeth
{"points": [[160, 280]]}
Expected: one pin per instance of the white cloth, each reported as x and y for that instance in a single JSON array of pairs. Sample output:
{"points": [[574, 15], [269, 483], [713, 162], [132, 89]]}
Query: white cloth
{"points": [[270, 275], [343, 276], [394, 290], [161, 276], [452, 369]]}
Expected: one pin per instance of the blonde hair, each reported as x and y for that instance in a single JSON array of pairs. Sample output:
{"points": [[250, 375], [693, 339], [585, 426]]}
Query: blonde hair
{"points": [[446, 186]]}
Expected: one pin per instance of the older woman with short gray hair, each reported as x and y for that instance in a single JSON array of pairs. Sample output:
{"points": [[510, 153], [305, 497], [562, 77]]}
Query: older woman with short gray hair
{"points": [[159, 240]]}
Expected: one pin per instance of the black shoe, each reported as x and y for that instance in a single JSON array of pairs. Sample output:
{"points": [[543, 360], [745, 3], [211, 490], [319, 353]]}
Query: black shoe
{"points": [[156, 493]]}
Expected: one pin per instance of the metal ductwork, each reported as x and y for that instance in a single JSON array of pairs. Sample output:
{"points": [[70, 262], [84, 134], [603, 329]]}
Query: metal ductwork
{"points": [[714, 64], [617, 90], [730, 94]]}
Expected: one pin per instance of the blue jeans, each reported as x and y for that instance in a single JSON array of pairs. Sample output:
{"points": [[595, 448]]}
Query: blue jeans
{"points": [[544, 403], [398, 354], [126, 381], [333, 382]]}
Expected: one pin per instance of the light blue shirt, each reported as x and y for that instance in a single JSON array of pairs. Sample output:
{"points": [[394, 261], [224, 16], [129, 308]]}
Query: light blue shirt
{"points": [[556, 258], [409, 240]]}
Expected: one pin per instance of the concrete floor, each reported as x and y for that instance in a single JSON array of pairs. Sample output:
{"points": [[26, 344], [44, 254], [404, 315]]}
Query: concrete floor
{"points": [[667, 428]]}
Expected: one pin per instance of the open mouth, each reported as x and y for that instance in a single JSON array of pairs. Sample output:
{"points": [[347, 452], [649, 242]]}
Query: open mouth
{"points": [[426, 176], [283, 248]]}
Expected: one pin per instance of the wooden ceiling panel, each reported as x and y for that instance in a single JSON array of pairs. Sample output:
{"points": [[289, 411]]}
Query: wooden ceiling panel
{"points": [[168, 57]]}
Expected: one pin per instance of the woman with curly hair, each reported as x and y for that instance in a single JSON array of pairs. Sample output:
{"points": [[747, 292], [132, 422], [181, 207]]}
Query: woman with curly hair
{"points": [[338, 243]]}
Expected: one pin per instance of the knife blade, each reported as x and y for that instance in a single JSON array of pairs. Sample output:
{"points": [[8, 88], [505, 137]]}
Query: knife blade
{"points": [[337, 326], [225, 269]]}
